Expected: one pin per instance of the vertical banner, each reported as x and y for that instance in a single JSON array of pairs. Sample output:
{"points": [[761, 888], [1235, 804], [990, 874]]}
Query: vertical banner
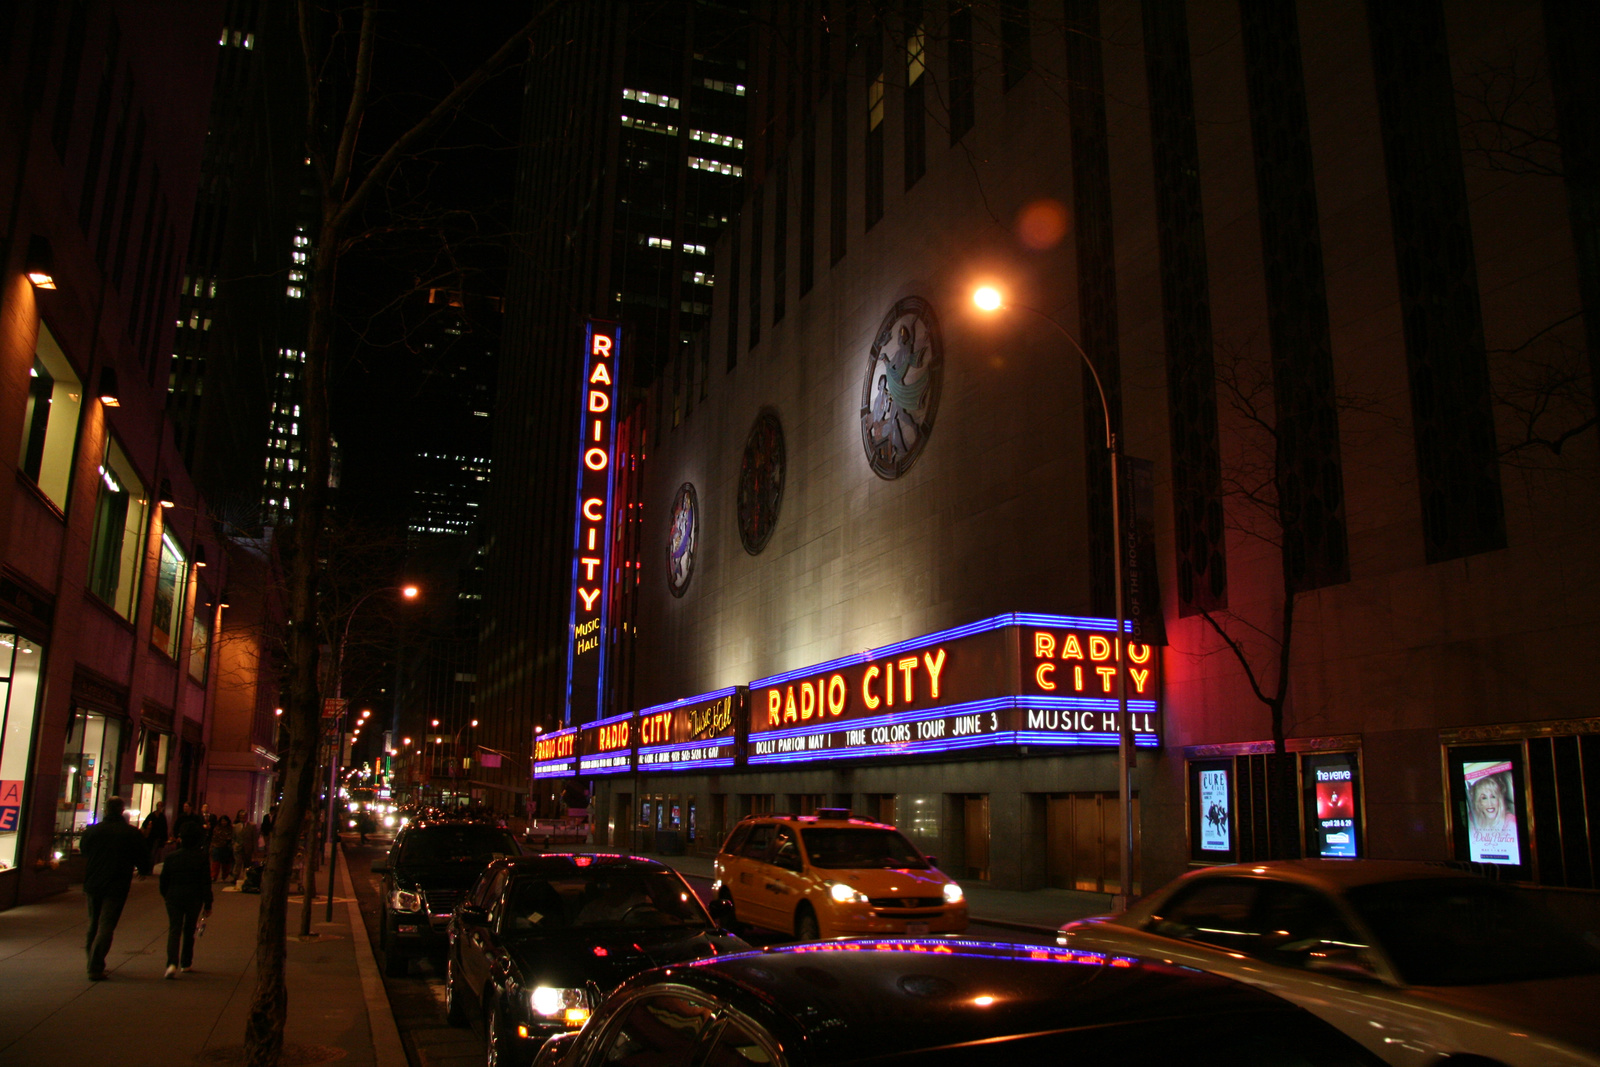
{"points": [[591, 550], [1141, 593], [1332, 783]]}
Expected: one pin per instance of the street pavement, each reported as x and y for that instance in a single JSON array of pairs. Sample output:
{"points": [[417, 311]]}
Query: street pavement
{"points": [[51, 1013]]}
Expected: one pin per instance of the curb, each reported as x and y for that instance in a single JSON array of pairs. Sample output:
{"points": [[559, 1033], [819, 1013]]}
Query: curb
{"points": [[386, 1046]]}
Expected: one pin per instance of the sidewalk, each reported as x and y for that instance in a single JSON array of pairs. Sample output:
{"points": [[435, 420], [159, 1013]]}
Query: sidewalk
{"points": [[51, 1013], [1034, 910]]}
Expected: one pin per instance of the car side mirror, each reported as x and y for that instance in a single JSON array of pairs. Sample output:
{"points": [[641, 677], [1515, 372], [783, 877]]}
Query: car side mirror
{"points": [[933, 861], [1341, 961], [722, 912], [471, 913]]}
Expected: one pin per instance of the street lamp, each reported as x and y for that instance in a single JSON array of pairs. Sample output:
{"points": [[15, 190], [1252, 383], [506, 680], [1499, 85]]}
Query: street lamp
{"points": [[989, 298], [335, 750]]}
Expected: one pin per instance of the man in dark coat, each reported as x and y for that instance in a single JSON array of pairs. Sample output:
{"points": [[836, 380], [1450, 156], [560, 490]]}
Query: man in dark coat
{"points": [[112, 851], [155, 832], [186, 887]]}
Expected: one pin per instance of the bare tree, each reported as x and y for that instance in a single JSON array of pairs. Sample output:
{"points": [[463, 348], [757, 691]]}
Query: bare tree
{"points": [[339, 45]]}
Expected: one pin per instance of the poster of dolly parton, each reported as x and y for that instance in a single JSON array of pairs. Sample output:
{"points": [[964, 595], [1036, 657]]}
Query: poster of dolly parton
{"points": [[1491, 813]]}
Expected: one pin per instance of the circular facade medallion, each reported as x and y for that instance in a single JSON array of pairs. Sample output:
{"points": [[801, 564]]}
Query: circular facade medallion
{"points": [[901, 392], [761, 481], [681, 541]]}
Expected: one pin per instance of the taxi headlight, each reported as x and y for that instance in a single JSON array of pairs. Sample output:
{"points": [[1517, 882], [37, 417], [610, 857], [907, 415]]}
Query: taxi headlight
{"points": [[555, 1002], [953, 893], [846, 894]]}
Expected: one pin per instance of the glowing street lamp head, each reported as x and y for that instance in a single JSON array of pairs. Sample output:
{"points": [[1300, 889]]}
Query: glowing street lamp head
{"points": [[410, 592], [988, 298], [474, 722]]}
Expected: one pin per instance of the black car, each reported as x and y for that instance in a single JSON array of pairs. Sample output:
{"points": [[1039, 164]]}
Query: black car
{"points": [[945, 1002], [543, 939], [431, 866]]}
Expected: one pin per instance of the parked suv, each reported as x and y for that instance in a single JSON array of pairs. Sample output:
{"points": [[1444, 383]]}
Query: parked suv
{"points": [[431, 866], [829, 875]]}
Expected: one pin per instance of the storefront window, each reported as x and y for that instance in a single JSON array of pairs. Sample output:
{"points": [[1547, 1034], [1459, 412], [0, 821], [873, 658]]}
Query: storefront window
{"points": [[149, 773], [1489, 806], [1211, 811], [170, 588], [199, 645], [88, 776], [50, 424], [19, 700], [1332, 785], [118, 544]]}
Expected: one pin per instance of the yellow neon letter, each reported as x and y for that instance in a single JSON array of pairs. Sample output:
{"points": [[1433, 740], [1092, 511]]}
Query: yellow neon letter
{"points": [[935, 668], [1042, 675], [866, 687]]}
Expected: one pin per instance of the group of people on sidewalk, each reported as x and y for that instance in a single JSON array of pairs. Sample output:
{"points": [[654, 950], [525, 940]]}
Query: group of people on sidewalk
{"points": [[231, 843], [207, 849]]}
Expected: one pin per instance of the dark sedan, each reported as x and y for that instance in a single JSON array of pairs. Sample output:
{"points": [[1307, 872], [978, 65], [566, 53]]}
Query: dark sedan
{"points": [[943, 1002], [431, 866], [542, 939]]}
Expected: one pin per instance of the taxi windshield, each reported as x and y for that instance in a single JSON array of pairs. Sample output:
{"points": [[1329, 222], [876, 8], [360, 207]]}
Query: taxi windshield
{"points": [[863, 846]]}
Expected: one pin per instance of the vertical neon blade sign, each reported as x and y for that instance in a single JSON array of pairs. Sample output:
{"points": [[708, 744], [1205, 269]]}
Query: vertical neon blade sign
{"points": [[591, 546]]}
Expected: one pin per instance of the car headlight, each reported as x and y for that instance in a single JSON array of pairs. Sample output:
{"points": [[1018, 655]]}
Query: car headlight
{"points": [[953, 893], [552, 1002], [405, 900], [352, 824], [388, 820], [846, 894]]}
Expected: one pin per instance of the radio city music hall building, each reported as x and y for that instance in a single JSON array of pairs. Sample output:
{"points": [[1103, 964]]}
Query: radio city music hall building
{"points": [[1347, 350]]}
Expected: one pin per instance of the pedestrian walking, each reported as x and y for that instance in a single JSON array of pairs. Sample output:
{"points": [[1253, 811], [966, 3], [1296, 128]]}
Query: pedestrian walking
{"points": [[222, 848], [156, 833], [112, 850], [244, 845], [186, 817], [187, 891]]}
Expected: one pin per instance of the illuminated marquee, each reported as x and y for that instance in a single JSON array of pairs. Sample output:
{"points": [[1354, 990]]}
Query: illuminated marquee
{"points": [[691, 734], [605, 746], [554, 754], [1013, 679], [591, 554]]}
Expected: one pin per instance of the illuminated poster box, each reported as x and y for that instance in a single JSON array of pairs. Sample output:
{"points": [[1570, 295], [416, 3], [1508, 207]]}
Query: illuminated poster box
{"points": [[1037, 680], [555, 754], [606, 745], [695, 733]]}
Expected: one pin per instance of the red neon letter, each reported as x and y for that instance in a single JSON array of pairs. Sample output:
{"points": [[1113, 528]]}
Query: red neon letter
{"points": [[1106, 674], [1044, 646], [866, 687], [906, 666], [589, 564], [774, 706], [602, 345], [836, 695], [588, 596]]}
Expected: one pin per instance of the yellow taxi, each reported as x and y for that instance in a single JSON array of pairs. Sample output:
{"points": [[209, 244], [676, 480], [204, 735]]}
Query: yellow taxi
{"points": [[831, 875]]}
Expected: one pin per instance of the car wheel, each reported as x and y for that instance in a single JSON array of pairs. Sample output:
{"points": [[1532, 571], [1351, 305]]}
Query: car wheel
{"points": [[805, 924], [455, 1006]]}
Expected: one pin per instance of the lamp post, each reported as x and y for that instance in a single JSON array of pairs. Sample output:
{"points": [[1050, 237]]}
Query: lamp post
{"points": [[989, 299], [336, 749]]}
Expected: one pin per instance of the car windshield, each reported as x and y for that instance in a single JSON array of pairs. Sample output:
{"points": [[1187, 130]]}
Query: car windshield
{"points": [[457, 843], [1460, 931], [840, 847], [595, 898]]}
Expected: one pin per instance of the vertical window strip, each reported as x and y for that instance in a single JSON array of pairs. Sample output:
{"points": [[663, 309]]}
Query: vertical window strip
{"points": [[874, 147], [839, 167], [1458, 473], [1186, 309], [959, 77], [1016, 44], [755, 268], [1310, 477], [780, 240], [916, 107], [808, 203]]}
